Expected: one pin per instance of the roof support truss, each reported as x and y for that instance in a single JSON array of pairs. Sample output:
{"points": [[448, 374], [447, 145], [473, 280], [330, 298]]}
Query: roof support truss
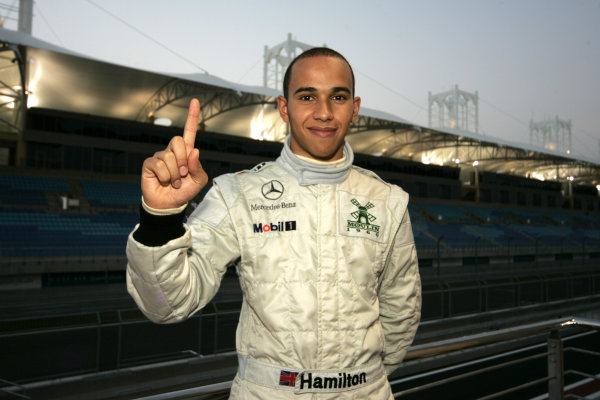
{"points": [[213, 101]]}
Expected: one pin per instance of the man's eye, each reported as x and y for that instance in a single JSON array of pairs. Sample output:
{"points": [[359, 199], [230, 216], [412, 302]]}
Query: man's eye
{"points": [[306, 98], [339, 97]]}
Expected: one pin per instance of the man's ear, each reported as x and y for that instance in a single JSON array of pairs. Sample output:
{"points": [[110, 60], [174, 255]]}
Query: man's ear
{"points": [[356, 108], [283, 110]]}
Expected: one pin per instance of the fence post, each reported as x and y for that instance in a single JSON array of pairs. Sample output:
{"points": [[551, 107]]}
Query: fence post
{"points": [[120, 339], [200, 318], [216, 331], [556, 380], [98, 340], [438, 253]]}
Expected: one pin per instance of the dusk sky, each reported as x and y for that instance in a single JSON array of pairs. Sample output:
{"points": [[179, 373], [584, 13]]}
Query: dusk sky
{"points": [[528, 60]]}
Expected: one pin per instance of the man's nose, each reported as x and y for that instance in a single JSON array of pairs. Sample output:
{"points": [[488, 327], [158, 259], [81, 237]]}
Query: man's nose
{"points": [[323, 111]]}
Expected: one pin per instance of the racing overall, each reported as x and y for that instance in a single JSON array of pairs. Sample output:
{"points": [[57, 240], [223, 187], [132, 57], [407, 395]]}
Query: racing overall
{"points": [[327, 266]]}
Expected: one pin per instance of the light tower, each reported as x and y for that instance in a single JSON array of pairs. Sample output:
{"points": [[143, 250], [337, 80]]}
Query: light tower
{"points": [[25, 16], [455, 109], [22, 14], [277, 58], [552, 134]]}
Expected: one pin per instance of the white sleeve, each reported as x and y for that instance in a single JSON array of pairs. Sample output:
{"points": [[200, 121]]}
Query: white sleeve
{"points": [[400, 296], [171, 282]]}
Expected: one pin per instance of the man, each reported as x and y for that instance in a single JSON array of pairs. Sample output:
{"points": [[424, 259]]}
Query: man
{"points": [[328, 268]]}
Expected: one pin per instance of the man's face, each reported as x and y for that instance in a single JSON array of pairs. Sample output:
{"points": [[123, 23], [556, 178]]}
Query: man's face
{"points": [[320, 107]]}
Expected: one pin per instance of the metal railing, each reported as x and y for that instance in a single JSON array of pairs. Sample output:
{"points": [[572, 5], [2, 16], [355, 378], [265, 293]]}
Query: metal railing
{"points": [[554, 355], [12, 389], [121, 331]]}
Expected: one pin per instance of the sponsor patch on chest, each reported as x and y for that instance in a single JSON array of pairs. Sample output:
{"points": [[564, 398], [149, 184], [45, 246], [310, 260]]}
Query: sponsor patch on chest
{"points": [[281, 226], [361, 216]]}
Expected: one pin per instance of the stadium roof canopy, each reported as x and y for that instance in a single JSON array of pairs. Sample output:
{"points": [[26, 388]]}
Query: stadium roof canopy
{"points": [[59, 79]]}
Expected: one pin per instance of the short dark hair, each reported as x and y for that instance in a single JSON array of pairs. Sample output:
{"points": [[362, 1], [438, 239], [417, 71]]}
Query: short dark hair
{"points": [[314, 52]]}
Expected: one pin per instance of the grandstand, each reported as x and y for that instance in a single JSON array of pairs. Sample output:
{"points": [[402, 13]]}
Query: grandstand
{"points": [[495, 249]]}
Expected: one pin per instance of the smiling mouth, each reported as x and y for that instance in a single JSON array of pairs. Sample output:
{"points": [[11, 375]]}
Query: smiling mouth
{"points": [[323, 132]]}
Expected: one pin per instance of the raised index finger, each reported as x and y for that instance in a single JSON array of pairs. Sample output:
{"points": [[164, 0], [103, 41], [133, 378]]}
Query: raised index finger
{"points": [[191, 124]]}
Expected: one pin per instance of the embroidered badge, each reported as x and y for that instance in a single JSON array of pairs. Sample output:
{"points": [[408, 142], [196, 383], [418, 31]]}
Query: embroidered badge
{"points": [[363, 219]]}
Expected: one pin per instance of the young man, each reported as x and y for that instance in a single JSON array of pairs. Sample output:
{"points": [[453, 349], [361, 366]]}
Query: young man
{"points": [[328, 268]]}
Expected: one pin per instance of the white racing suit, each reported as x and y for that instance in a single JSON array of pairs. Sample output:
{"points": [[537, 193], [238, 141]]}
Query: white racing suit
{"points": [[329, 273]]}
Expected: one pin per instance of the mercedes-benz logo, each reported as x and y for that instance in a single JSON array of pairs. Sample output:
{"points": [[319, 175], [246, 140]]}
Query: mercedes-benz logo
{"points": [[272, 190]]}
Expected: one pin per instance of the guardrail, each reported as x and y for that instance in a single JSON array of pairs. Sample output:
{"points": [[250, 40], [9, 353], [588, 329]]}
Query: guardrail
{"points": [[113, 337], [112, 340], [554, 354], [12, 390]]}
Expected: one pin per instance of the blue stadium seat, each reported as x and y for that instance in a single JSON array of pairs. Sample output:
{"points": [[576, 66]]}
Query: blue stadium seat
{"points": [[26, 233], [444, 212], [29, 190], [111, 194]]}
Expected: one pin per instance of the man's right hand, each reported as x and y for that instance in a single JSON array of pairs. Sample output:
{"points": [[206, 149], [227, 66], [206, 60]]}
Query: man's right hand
{"points": [[174, 176]]}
